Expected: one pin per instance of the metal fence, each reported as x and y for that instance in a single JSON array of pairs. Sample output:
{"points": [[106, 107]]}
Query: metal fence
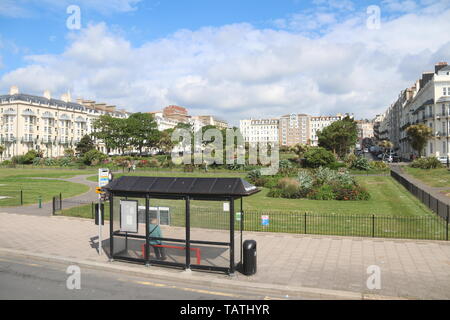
{"points": [[440, 208], [430, 228], [427, 228], [82, 209]]}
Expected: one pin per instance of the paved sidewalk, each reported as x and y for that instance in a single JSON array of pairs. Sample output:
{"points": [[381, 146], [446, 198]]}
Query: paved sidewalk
{"points": [[410, 269]]}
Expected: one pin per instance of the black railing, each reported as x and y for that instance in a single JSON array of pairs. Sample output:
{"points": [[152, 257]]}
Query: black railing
{"points": [[427, 227], [441, 209]]}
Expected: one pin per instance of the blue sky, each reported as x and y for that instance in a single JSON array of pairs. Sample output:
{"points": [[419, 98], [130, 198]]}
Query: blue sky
{"points": [[231, 58]]}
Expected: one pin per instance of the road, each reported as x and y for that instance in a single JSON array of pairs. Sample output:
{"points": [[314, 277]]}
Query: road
{"points": [[23, 278]]}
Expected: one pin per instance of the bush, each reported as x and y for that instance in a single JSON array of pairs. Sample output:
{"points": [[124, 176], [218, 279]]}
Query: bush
{"points": [[253, 175], [325, 192], [337, 165], [318, 157], [378, 165], [426, 163], [7, 163], [360, 164], [290, 188], [93, 157]]}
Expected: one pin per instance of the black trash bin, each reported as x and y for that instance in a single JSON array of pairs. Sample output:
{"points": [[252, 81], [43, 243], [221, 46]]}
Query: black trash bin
{"points": [[249, 255]]}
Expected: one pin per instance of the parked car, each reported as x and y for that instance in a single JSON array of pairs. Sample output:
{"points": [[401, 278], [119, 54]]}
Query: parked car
{"points": [[443, 160]]}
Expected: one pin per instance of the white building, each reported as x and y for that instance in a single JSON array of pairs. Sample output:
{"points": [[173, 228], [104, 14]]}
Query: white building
{"points": [[426, 102], [319, 123], [45, 124], [260, 130]]}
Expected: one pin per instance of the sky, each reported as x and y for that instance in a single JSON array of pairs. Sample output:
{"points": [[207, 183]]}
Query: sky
{"points": [[235, 59]]}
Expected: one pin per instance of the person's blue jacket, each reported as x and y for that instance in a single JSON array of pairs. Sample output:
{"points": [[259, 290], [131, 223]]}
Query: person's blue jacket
{"points": [[154, 231]]}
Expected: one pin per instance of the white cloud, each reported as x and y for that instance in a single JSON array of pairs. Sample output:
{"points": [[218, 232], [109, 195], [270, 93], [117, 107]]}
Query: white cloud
{"points": [[238, 71]]}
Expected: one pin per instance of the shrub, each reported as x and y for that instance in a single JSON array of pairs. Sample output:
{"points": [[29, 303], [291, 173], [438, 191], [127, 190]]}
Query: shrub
{"points": [[378, 165], [93, 157], [64, 162], [426, 163], [290, 188], [253, 175], [325, 192], [49, 162], [360, 164], [318, 157], [337, 165], [7, 163]]}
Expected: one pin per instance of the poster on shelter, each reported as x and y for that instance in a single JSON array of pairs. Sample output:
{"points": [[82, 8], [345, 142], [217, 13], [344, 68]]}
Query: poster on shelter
{"points": [[129, 216]]}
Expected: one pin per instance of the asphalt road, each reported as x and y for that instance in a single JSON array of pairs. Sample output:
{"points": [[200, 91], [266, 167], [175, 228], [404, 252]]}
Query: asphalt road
{"points": [[22, 278]]}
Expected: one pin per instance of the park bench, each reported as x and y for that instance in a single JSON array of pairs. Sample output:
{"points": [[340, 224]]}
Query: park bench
{"points": [[197, 250]]}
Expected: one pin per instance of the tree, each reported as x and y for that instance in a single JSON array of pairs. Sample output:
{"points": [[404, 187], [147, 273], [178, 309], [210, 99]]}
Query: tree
{"points": [[339, 136], [418, 136], [86, 144], [2, 149], [318, 157], [112, 132], [386, 144], [143, 131]]}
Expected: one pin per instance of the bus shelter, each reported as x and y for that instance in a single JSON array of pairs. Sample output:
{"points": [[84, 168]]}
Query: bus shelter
{"points": [[190, 223]]}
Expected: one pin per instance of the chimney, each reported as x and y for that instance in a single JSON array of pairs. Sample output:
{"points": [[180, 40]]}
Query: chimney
{"points": [[13, 90], [438, 66], [47, 94], [66, 97]]}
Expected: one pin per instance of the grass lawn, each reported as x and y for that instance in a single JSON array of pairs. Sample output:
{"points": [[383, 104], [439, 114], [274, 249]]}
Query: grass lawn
{"points": [[388, 198], [33, 188], [12, 180], [42, 172], [439, 178]]}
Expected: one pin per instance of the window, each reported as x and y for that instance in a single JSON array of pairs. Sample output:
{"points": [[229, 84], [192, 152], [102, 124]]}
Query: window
{"points": [[444, 91], [431, 147]]}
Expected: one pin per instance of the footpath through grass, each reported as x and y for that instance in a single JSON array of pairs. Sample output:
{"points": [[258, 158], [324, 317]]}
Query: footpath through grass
{"points": [[438, 178], [13, 181]]}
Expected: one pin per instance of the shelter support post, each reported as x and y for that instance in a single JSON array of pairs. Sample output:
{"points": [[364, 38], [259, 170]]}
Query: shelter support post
{"points": [[147, 235], [232, 266], [111, 228], [188, 234]]}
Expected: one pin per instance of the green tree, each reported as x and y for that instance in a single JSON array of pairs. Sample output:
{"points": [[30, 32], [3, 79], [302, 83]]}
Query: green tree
{"points": [[418, 136], [143, 131], [86, 144], [111, 131], [2, 149], [318, 157], [339, 136]]}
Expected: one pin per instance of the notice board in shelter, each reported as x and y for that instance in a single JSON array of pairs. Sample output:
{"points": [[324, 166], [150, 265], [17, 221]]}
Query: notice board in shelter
{"points": [[129, 216]]}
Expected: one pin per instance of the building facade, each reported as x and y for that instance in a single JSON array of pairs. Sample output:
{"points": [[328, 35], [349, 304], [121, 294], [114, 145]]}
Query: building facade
{"points": [[427, 102], [294, 129], [319, 123], [260, 130], [45, 124]]}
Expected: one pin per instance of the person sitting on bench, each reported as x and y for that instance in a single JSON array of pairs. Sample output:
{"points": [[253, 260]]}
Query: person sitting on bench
{"points": [[155, 231]]}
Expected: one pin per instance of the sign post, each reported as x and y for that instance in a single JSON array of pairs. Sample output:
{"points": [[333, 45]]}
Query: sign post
{"points": [[103, 180]]}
